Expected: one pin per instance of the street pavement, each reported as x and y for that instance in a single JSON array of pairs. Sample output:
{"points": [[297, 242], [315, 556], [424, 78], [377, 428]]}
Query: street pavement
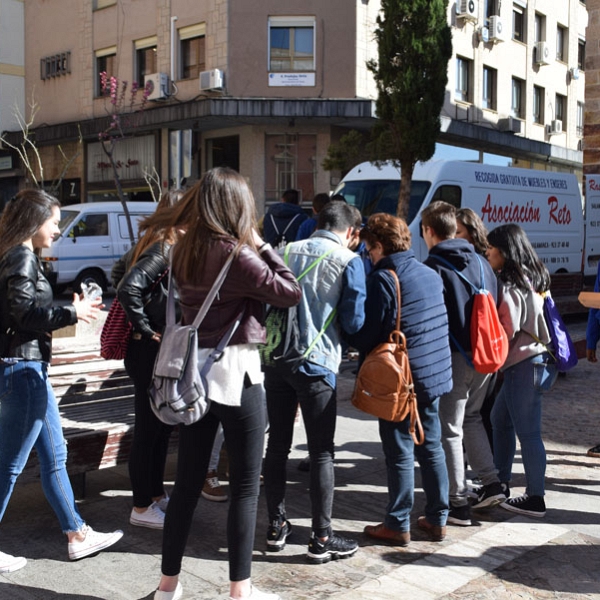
{"points": [[502, 556]]}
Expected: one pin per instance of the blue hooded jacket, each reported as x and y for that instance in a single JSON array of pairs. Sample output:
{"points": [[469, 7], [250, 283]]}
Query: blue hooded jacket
{"points": [[282, 214], [458, 294]]}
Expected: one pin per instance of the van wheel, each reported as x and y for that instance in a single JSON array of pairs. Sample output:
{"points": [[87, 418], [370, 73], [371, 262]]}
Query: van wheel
{"points": [[90, 276]]}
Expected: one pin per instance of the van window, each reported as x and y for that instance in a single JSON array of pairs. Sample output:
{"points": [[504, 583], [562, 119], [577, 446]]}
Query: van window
{"points": [[135, 222], [381, 195], [90, 225], [448, 193], [66, 218]]}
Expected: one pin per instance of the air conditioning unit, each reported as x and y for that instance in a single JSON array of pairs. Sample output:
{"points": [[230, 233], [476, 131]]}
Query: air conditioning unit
{"points": [[496, 29], [467, 9], [211, 80], [574, 71], [555, 127], [510, 124], [543, 56], [159, 86]]}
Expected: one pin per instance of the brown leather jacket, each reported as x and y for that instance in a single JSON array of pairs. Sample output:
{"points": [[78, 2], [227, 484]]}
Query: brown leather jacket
{"points": [[253, 281]]}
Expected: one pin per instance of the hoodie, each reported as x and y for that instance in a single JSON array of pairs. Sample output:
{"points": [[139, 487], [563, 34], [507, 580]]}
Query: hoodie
{"points": [[282, 215], [458, 294]]}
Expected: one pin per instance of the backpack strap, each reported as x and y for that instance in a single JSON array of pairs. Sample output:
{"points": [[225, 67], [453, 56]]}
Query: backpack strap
{"points": [[214, 290], [480, 290], [415, 427], [289, 224], [398, 296], [273, 223], [286, 255]]}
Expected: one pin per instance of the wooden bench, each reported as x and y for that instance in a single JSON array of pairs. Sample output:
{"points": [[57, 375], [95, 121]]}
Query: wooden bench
{"points": [[97, 410]]}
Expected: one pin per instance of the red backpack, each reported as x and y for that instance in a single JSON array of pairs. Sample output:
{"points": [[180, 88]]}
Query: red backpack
{"points": [[489, 342]]}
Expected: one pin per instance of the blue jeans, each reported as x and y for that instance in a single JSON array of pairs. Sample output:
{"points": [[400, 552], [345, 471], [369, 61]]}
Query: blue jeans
{"points": [[285, 390], [400, 453], [29, 419], [518, 410]]}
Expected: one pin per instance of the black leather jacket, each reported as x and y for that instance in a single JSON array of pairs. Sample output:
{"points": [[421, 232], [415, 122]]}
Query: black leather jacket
{"points": [[142, 291], [27, 317]]}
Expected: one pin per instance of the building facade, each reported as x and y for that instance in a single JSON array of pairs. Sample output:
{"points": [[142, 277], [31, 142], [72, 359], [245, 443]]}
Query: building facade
{"points": [[266, 88], [12, 88]]}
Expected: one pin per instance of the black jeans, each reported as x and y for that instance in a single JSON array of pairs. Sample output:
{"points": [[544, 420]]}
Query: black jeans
{"points": [[285, 390], [244, 429], [150, 437]]}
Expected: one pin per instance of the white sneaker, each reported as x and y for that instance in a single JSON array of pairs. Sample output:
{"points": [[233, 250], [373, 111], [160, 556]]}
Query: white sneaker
{"points": [[163, 503], [255, 594], [153, 517], [9, 563], [175, 595], [94, 542]]}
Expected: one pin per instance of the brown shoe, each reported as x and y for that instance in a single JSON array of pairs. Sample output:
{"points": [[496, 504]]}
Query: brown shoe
{"points": [[381, 532], [212, 489], [436, 532]]}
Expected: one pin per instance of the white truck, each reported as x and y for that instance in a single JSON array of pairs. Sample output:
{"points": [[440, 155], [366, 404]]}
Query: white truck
{"points": [[546, 204]]}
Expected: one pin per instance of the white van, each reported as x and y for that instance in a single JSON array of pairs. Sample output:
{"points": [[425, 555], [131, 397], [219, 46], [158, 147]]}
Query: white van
{"points": [[547, 205], [93, 236]]}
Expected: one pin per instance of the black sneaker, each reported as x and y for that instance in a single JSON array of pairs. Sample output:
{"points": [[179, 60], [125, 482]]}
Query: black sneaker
{"points": [[277, 534], [335, 547], [490, 495], [460, 515], [532, 506]]}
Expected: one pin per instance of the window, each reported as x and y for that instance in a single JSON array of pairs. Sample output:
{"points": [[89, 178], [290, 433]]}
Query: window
{"points": [[581, 55], [192, 55], [538, 104], [145, 58], [561, 38], [539, 28], [489, 88], [291, 162], [518, 23], [560, 109], [463, 68], [490, 8], [291, 44], [517, 105], [580, 116], [106, 62], [90, 225]]}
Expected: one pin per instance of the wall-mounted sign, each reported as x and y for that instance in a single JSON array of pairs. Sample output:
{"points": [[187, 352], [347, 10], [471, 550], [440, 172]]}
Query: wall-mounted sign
{"points": [[291, 79], [6, 163]]}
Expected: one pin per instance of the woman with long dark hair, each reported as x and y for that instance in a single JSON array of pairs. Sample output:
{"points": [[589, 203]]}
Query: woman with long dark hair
{"points": [[470, 227], [143, 293], [218, 216], [29, 416], [529, 369]]}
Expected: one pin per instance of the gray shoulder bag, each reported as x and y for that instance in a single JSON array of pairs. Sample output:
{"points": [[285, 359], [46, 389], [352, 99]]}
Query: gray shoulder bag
{"points": [[179, 388]]}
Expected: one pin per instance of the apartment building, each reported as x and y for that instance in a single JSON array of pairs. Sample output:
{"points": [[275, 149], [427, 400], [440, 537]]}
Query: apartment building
{"points": [[266, 87], [12, 86]]}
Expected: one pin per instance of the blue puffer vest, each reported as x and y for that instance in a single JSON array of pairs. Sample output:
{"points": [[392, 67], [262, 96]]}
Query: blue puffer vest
{"points": [[321, 292]]}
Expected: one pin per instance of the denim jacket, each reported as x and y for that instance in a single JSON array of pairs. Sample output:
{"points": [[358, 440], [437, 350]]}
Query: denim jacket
{"points": [[334, 282]]}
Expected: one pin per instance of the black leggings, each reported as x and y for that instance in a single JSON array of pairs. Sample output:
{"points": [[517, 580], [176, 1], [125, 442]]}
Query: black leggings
{"points": [[150, 436], [244, 429]]}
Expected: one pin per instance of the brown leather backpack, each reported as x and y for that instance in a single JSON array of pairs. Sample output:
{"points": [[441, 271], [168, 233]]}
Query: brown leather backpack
{"points": [[384, 384]]}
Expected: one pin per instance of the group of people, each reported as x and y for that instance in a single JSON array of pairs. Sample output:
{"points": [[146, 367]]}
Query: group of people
{"points": [[337, 305]]}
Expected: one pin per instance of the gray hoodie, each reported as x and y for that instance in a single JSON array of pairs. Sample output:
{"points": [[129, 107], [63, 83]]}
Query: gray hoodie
{"points": [[522, 315]]}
